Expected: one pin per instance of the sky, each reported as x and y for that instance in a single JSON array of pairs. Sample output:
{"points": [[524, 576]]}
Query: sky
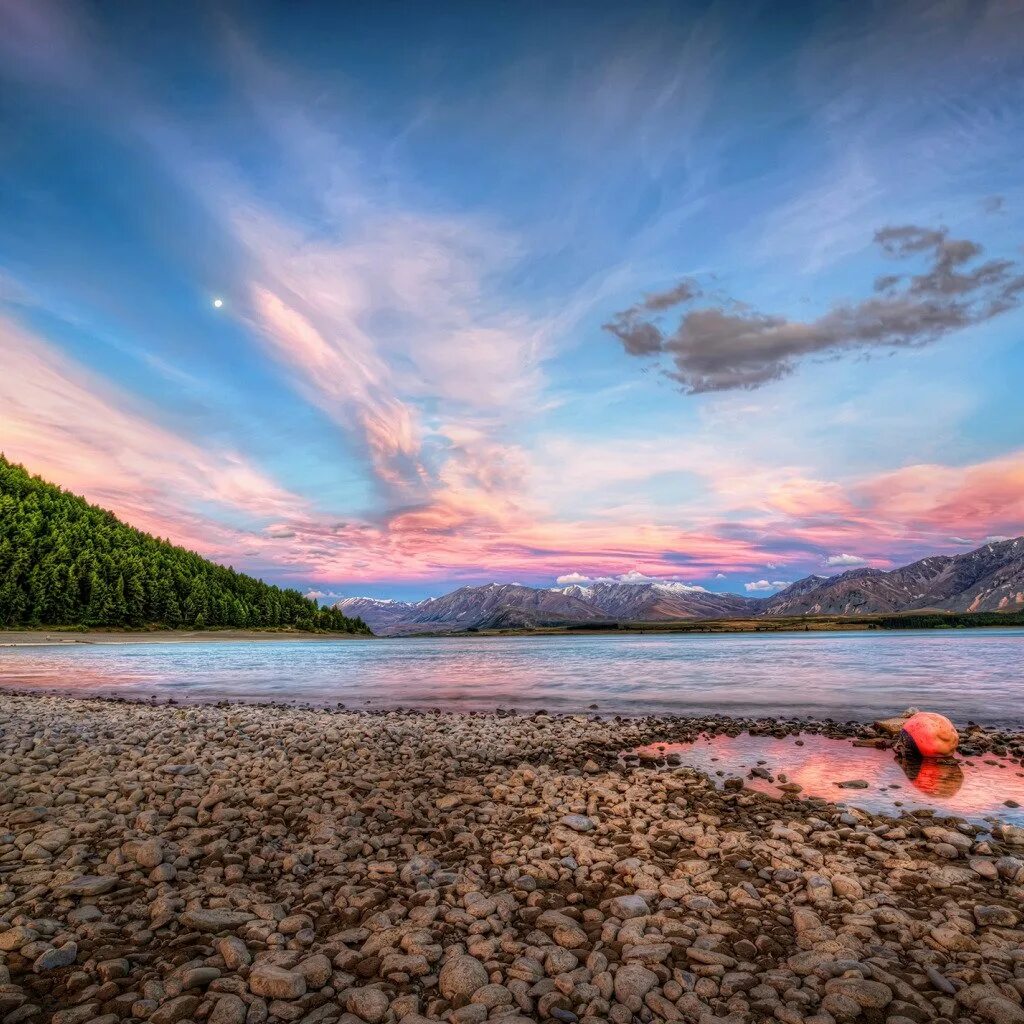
{"points": [[387, 299]]}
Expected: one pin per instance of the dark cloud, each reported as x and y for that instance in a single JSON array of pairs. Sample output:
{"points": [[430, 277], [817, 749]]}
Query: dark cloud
{"points": [[660, 301], [727, 346], [993, 204], [640, 336]]}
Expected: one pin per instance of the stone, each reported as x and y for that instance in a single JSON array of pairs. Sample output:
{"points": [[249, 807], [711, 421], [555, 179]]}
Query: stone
{"points": [[578, 822], [234, 952], [460, 977], [309, 876], [16, 938], [316, 969], [276, 982], [229, 1009], [173, 1010], [53, 959], [88, 885], [869, 995], [995, 916], [215, 920], [626, 907], [149, 853], [368, 1004], [632, 983]]}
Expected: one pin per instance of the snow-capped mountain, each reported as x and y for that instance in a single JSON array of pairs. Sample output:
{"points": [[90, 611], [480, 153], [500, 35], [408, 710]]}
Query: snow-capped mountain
{"points": [[990, 578], [659, 602], [512, 605], [473, 607]]}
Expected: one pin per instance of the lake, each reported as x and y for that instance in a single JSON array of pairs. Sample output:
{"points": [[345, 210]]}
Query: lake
{"points": [[966, 674]]}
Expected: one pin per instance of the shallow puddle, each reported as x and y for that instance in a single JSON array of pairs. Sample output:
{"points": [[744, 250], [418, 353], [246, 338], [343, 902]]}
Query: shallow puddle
{"points": [[975, 788]]}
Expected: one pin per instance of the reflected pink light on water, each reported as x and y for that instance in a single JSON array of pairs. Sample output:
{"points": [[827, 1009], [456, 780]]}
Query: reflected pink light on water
{"points": [[975, 787]]}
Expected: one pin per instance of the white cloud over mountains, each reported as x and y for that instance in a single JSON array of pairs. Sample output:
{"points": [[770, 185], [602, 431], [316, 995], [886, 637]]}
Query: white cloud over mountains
{"points": [[634, 576], [846, 560]]}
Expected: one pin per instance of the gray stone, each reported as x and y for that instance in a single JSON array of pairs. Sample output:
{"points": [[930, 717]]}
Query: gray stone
{"points": [[578, 823]]}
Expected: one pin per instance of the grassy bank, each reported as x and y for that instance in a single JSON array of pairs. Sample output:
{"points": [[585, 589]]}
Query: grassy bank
{"points": [[782, 624]]}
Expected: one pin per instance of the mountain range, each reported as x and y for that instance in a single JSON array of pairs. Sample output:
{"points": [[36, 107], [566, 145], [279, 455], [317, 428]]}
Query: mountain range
{"points": [[988, 579]]}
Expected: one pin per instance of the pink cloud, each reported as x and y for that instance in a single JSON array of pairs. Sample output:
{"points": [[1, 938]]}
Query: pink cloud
{"points": [[72, 427], [75, 428], [986, 496], [345, 377]]}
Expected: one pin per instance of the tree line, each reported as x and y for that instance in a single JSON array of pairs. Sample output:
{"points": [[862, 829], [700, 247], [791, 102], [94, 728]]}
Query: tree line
{"points": [[64, 562]]}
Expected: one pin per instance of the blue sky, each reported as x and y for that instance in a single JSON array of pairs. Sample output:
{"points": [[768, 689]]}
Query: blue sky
{"points": [[448, 241]]}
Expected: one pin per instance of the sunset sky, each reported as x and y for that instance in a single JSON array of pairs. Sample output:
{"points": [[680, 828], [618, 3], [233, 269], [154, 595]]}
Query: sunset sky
{"points": [[722, 293]]}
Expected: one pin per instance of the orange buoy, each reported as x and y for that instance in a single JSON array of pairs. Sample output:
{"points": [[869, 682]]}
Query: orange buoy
{"points": [[931, 735]]}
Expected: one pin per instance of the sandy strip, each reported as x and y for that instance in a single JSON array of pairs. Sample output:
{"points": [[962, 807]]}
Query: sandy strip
{"points": [[38, 637]]}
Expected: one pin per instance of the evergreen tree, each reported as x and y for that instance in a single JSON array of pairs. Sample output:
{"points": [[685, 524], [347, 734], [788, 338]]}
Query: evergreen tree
{"points": [[64, 562]]}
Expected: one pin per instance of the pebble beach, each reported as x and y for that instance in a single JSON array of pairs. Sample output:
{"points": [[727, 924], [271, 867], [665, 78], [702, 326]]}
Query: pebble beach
{"points": [[242, 864]]}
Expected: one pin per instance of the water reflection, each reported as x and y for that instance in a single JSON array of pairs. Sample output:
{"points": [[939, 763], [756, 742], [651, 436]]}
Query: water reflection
{"points": [[971, 789], [942, 779], [967, 673]]}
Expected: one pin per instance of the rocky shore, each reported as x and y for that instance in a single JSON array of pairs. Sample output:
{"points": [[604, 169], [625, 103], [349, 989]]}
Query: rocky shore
{"points": [[245, 864]]}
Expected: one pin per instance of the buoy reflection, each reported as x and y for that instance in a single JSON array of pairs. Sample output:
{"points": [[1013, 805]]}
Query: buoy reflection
{"points": [[941, 778]]}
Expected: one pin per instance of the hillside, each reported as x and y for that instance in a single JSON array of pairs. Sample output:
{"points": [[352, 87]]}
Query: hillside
{"points": [[64, 562]]}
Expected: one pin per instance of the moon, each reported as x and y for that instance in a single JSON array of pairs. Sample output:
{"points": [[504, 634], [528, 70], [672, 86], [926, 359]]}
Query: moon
{"points": [[217, 303]]}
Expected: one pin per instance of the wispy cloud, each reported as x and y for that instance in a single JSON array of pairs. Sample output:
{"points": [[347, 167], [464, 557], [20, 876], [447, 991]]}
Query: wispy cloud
{"points": [[75, 428], [419, 285]]}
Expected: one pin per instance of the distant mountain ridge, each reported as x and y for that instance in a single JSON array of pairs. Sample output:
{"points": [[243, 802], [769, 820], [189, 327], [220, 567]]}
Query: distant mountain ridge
{"points": [[473, 607], [988, 579]]}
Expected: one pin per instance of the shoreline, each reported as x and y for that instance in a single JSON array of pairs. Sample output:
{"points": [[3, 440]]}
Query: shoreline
{"points": [[232, 862], [52, 637], [990, 733], [28, 637]]}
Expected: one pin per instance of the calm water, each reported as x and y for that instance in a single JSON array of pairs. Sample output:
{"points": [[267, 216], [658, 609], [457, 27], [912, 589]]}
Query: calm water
{"points": [[974, 674], [975, 788]]}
